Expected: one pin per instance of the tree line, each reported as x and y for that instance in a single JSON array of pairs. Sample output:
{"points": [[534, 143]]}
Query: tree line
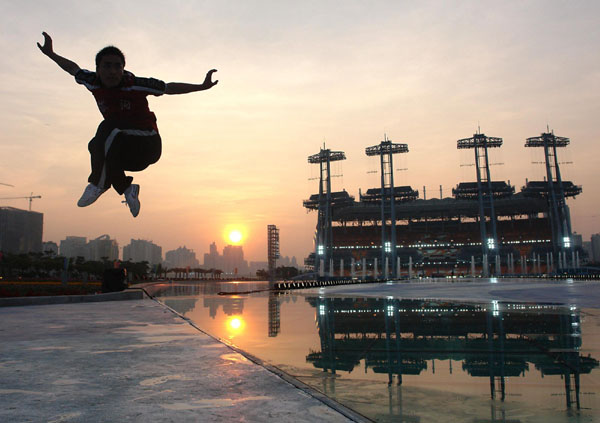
{"points": [[48, 266]]}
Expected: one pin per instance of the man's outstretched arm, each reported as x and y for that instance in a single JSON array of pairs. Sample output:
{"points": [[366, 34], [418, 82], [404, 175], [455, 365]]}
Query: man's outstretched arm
{"points": [[183, 88], [65, 64]]}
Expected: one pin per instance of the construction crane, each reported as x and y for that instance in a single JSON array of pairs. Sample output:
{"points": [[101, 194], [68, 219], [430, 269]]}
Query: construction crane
{"points": [[30, 197]]}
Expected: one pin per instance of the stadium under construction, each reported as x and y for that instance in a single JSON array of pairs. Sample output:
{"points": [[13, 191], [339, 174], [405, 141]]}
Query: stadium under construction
{"points": [[486, 228]]}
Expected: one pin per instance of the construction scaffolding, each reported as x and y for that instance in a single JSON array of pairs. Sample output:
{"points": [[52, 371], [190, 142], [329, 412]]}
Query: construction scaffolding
{"points": [[272, 249]]}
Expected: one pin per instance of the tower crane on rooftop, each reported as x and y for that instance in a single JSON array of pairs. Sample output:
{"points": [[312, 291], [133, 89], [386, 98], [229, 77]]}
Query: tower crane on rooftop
{"points": [[30, 197]]}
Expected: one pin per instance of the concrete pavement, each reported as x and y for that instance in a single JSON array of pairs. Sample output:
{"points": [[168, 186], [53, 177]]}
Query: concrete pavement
{"points": [[135, 361], [584, 294]]}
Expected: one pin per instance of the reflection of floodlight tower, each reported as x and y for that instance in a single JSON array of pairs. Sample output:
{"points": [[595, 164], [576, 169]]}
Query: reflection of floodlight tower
{"points": [[273, 249], [480, 143], [559, 213], [324, 235], [385, 150]]}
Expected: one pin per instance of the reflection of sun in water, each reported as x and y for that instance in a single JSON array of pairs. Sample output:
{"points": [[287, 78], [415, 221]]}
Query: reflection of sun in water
{"points": [[235, 323], [235, 236], [235, 326]]}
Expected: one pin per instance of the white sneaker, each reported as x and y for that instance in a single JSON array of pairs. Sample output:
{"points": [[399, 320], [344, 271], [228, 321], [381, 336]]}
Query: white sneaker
{"points": [[90, 194], [132, 200]]}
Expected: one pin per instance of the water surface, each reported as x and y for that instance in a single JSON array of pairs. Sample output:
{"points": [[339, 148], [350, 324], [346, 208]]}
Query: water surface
{"points": [[413, 360]]}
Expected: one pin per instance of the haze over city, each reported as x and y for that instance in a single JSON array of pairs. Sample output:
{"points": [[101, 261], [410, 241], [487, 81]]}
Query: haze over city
{"points": [[292, 77]]}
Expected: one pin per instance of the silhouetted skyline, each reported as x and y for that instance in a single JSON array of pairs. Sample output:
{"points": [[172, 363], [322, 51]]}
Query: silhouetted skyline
{"points": [[291, 78]]}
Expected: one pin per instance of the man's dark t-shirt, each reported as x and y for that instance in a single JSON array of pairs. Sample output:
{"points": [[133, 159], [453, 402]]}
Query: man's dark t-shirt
{"points": [[125, 105]]}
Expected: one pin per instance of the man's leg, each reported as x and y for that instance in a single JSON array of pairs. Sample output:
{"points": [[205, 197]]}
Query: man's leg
{"points": [[98, 148], [133, 150], [97, 179]]}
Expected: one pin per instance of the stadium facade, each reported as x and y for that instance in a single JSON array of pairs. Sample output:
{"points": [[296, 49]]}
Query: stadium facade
{"points": [[486, 224]]}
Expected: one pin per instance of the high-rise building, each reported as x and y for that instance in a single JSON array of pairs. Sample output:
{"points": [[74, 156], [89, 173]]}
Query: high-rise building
{"points": [[140, 250], [73, 246], [587, 247], [50, 247], [233, 260], [182, 258], [596, 248], [212, 259], [20, 231], [102, 248], [577, 240]]}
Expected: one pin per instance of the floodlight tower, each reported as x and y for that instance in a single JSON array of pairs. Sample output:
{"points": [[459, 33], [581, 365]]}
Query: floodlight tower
{"points": [[324, 235], [559, 213], [386, 150], [480, 143]]}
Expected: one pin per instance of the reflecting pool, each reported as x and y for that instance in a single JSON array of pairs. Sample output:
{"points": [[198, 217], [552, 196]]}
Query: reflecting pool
{"points": [[412, 360]]}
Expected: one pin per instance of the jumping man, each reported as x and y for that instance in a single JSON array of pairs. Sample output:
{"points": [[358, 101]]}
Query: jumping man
{"points": [[127, 138]]}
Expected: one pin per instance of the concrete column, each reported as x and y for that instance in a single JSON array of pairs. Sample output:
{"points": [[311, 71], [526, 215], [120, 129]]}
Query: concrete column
{"points": [[498, 266], [322, 268], [342, 273], [485, 270], [559, 260], [410, 268], [398, 269], [364, 269], [331, 267], [386, 269], [352, 275], [375, 270], [473, 266]]}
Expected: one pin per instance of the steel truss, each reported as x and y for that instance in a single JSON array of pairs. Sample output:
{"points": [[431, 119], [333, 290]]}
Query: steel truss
{"points": [[324, 234], [386, 150], [485, 192], [559, 212]]}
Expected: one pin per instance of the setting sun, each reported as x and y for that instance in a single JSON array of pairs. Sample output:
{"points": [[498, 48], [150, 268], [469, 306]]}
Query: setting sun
{"points": [[235, 233], [235, 236]]}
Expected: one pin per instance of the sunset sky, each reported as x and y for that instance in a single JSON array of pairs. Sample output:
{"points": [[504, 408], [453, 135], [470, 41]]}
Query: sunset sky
{"points": [[292, 76]]}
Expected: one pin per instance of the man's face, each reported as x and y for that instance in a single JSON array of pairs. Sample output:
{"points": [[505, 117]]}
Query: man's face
{"points": [[110, 70]]}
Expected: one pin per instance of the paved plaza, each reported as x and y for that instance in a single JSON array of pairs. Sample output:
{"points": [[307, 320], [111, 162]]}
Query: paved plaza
{"points": [[136, 360]]}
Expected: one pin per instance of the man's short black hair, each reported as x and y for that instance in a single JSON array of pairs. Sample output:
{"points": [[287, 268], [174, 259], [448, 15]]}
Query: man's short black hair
{"points": [[112, 51]]}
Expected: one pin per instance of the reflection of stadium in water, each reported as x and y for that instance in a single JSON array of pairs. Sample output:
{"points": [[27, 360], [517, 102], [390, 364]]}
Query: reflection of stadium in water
{"points": [[494, 340]]}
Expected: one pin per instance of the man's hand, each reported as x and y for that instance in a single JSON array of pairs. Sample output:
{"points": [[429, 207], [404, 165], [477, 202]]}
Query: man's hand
{"points": [[208, 83], [184, 88], [47, 47], [65, 64]]}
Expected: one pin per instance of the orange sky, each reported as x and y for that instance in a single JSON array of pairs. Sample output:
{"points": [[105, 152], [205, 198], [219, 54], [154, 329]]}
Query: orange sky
{"points": [[292, 77]]}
